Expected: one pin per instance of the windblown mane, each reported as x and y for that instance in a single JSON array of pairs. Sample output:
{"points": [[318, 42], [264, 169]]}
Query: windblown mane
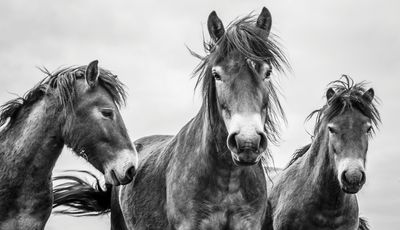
{"points": [[299, 153], [60, 84], [348, 95], [252, 42]]}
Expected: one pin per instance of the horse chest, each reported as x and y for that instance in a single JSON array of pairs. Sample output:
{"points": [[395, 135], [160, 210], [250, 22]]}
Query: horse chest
{"points": [[223, 198], [26, 204], [22, 222], [228, 208], [231, 213], [26, 213], [315, 220]]}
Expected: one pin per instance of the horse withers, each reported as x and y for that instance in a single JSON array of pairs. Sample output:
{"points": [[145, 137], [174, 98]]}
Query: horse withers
{"points": [[210, 175], [317, 189], [76, 107]]}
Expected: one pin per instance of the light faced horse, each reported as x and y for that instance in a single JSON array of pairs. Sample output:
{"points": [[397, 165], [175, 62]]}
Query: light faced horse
{"points": [[317, 190], [76, 107], [210, 175]]}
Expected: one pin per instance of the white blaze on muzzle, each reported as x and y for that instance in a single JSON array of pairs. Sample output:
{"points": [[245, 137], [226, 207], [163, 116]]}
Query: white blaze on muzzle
{"points": [[245, 124], [247, 129], [349, 166]]}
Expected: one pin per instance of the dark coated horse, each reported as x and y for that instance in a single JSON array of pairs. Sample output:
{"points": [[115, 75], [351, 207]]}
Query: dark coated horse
{"points": [[76, 107], [317, 189], [210, 175]]}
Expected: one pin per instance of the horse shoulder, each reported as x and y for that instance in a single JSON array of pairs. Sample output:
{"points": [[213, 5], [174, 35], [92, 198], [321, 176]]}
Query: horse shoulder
{"points": [[142, 201], [149, 144]]}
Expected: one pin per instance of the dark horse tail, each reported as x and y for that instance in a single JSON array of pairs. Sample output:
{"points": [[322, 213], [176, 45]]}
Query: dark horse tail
{"points": [[363, 225], [81, 197]]}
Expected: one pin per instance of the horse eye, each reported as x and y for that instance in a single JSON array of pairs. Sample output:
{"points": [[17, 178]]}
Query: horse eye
{"points": [[267, 74], [332, 130], [107, 113], [369, 130], [216, 76]]}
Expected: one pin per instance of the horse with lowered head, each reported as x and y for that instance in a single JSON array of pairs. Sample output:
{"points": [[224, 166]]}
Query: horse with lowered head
{"points": [[317, 189], [210, 175], [76, 107]]}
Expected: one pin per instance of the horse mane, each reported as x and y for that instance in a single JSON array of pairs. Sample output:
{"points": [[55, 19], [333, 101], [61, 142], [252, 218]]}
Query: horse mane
{"points": [[252, 42], [61, 85], [348, 95], [299, 153]]}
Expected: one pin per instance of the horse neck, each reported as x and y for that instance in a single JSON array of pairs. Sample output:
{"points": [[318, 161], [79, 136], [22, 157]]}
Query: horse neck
{"points": [[208, 157], [34, 140], [320, 168], [207, 140]]}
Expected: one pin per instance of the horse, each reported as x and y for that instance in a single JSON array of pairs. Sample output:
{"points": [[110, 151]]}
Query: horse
{"points": [[77, 107], [317, 190], [210, 175]]}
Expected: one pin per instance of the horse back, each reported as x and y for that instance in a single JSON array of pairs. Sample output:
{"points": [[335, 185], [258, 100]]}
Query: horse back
{"points": [[148, 145]]}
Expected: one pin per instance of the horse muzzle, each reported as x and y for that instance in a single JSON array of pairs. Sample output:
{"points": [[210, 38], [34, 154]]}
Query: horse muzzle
{"points": [[246, 154], [246, 159], [122, 170], [352, 180], [247, 139], [351, 174]]}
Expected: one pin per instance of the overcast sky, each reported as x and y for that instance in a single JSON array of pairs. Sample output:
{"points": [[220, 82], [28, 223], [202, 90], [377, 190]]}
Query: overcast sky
{"points": [[143, 42]]}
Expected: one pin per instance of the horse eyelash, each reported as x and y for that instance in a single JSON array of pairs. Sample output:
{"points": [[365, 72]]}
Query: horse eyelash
{"points": [[216, 75], [331, 130], [268, 74], [82, 153]]}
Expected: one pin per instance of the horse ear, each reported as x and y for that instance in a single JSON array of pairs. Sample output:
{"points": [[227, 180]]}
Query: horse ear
{"points": [[92, 73], [368, 96], [264, 21], [215, 27], [329, 93]]}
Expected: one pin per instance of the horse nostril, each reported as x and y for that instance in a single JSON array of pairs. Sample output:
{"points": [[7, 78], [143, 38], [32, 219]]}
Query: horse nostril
{"points": [[263, 145], [344, 179], [232, 143], [353, 177], [130, 173], [363, 178]]}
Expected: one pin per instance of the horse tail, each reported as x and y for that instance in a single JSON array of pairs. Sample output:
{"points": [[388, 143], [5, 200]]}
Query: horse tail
{"points": [[81, 197], [363, 225]]}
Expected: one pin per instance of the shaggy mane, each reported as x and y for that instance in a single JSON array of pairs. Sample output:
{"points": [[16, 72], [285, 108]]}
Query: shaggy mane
{"points": [[60, 84], [348, 95]]}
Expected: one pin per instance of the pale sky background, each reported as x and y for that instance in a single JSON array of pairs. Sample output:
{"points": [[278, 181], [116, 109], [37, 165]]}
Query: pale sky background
{"points": [[143, 42]]}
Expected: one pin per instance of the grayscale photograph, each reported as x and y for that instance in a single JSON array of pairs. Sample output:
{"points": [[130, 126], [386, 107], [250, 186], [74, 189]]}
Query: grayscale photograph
{"points": [[199, 115]]}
